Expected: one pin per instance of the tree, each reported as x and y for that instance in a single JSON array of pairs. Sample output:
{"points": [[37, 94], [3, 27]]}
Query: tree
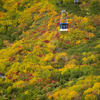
{"points": [[91, 97]]}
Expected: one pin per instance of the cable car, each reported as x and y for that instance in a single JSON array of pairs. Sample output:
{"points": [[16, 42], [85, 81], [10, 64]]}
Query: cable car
{"points": [[63, 26], [63, 21], [76, 1]]}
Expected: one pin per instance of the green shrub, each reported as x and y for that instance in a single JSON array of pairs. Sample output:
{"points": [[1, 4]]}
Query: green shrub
{"points": [[10, 97], [1, 43], [62, 81], [54, 85], [87, 70], [97, 34], [28, 87], [64, 85], [55, 76], [60, 64], [9, 90], [32, 58], [42, 97], [86, 1], [49, 88], [93, 2], [75, 9], [66, 75], [79, 62], [77, 72], [89, 61], [98, 80], [1, 98], [94, 8], [14, 90]]}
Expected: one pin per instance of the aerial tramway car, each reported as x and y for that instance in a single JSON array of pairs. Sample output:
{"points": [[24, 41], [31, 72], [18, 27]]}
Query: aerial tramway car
{"points": [[63, 21], [75, 1]]}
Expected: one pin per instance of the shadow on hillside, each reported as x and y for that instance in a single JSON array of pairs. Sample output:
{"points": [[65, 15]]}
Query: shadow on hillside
{"points": [[73, 8]]}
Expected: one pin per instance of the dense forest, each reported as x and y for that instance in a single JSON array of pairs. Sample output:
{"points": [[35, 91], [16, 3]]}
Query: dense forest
{"points": [[37, 62]]}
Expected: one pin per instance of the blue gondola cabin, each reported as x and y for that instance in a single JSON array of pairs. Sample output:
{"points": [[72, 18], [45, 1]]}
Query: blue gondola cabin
{"points": [[76, 1], [63, 26]]}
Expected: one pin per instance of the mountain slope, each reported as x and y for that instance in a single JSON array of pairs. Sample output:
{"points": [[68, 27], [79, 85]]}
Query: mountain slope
{"points": [[43, 64]]}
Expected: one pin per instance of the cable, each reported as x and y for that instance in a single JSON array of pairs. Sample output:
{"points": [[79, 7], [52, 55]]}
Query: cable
{"points": [[70, 8]]}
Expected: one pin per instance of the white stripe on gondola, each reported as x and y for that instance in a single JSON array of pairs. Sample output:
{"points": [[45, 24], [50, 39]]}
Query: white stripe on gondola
{"points": [[63, 29]]}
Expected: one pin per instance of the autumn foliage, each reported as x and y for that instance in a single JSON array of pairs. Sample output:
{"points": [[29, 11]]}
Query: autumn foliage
{"points": [[39, 62]]}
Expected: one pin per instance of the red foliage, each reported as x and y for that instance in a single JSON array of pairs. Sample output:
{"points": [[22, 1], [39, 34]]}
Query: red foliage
{"points": [[30, 75], [5, 0], [30, 78], [60, 39], [20, 46], [83, 88], [36, 38], [18, 3], [53, 81], [45, 83], [70, 80], [44, 55], [57, 34], [13, 80], [39, 80], [74, 43], [40, 55], [11, 59], [76, 56], [35, 86], [34, 32], [38, 30], [24, 79], [92, 92], [58, 24], [43, 32], [55, 51], [16, 73], [45, 91], [46, 41], [27, 79], [67, 42], [45, 25], [86, 39], [9, 77], [37, 11]]}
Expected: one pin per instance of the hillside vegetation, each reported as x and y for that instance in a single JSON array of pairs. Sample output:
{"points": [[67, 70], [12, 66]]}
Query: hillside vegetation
{"points": [[39, 63]]}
